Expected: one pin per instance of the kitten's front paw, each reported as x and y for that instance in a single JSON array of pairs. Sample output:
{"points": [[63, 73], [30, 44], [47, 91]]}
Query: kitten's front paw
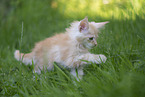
{"points": [[100, 59]]}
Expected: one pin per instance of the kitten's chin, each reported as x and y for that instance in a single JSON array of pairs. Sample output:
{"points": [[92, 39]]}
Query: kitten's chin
{"points": [[89, 47]]}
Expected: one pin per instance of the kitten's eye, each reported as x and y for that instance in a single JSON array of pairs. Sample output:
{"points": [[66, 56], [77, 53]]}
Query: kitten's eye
{"points": [[91, 38]]}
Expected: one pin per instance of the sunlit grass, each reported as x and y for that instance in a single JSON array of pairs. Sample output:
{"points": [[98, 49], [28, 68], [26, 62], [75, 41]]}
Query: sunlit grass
{"points": [[103, 8]]}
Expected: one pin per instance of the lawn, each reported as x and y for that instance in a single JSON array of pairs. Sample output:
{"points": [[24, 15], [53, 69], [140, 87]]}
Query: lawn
{"points": [[122, 41]]}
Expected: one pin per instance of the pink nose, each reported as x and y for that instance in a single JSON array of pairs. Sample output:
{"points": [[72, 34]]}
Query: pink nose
{"points": [[95, 42]]}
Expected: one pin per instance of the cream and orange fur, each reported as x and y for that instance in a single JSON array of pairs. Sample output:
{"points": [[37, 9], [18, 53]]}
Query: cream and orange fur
{"points": [[67, 49]]}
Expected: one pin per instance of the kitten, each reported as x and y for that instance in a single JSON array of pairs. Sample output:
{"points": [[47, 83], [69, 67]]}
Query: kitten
{"points": [[67, 49]]}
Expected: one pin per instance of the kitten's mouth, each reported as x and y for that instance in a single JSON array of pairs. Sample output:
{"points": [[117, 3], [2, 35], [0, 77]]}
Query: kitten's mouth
{"points": [[89, 46], [93, 46]]}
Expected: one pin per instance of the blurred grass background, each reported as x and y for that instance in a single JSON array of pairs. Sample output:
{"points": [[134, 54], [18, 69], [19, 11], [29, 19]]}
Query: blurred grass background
{"points": [[122, 41]]}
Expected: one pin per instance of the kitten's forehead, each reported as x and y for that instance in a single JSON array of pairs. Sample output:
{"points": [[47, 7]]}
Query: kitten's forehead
{"points": [[89, 35], [92, 28]]}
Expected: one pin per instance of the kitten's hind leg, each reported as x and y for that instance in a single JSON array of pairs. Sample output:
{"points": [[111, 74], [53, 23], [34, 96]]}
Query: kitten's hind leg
{"points": [[40, 67], [25, 58], [37, 70], [50, 67]]}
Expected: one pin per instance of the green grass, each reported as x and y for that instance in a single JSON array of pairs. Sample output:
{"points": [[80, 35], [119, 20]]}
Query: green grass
{"points": [[122, 42]]}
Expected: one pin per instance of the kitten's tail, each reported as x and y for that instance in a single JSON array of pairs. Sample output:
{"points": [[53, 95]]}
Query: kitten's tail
{"points": [[25, 58]]}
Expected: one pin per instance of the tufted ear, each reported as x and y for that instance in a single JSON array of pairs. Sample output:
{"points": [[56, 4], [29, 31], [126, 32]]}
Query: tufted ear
{"points": [[84, 25], [99, 25]]}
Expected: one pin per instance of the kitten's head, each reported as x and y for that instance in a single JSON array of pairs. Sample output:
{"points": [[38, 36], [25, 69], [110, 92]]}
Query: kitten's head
{"points": [[88, 33]]}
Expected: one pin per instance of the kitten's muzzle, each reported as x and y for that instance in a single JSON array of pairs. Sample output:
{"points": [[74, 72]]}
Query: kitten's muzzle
{"points": [[95, 42]]}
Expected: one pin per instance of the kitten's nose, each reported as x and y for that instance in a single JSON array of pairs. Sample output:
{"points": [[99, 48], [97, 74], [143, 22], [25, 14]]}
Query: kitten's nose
{"points": [[95, 42]]}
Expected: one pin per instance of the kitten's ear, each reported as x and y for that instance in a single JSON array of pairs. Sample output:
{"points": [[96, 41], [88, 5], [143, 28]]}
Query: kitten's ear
{"points": [[84, 25], [99, 25]]}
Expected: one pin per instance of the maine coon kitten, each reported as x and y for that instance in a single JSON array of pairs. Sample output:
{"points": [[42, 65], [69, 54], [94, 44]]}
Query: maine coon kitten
{"points": [[67, 49]]}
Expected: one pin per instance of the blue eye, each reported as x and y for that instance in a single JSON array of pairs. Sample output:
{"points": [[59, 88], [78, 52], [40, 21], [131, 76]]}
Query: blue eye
{"points": [[91, 38]]}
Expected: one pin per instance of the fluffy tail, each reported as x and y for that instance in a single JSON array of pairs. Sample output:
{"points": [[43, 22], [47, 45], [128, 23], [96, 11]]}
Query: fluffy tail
{"points": [[25, 58]]}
